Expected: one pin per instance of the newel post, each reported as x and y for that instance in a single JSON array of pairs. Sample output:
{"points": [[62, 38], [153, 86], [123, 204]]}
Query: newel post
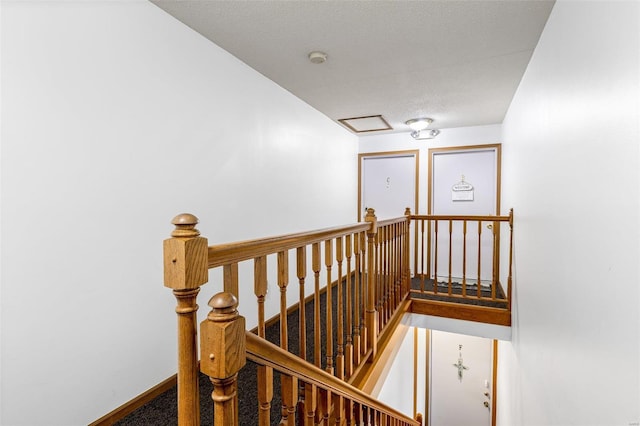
{"points": [[222, 355], [185, 270], [370, 315]]}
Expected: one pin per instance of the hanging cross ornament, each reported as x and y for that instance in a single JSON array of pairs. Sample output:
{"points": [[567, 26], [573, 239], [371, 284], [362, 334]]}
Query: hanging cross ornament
{"points": [[460, 366]]}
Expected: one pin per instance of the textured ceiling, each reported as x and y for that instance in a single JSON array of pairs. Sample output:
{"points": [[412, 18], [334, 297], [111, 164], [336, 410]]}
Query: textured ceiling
{"points": [[458, 62]]}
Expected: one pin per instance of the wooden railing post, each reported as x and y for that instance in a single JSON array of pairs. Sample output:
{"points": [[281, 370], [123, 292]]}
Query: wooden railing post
{"points": [[371, 316], [185, 270], [223, 354]]}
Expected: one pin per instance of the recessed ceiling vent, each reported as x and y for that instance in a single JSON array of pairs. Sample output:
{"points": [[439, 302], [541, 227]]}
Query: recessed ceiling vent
{"points": [[370, 123]]}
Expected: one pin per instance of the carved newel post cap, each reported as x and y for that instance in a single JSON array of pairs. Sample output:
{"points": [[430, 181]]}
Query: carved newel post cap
{"points": [[223, 307], [407, 211], [185, 225], [371, 212]]}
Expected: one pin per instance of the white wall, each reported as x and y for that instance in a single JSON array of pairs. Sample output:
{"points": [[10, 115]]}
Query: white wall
{"points": [[116, 117], [477, 135], [570, 170]]}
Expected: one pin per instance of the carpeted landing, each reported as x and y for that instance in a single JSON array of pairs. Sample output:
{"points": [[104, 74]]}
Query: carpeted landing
{"points": [[424, 289]]}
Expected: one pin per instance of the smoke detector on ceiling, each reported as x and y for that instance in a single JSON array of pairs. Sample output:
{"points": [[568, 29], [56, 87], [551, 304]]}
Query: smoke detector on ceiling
{"points": [[317, 57]]}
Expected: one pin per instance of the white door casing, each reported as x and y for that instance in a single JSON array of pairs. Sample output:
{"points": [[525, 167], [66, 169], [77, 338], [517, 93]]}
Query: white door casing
{"points": [[478, 167], [388, 183]]}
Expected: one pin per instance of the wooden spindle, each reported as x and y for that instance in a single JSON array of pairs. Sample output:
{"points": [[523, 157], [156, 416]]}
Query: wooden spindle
{"points": [[283, 282], [340, 313], [435, 261], [288, 385], [464, 258], [494, 260], [265, 374], [371, 317], [301, 269], [450, 254], [407, 253], [223, 354], [315, 265], [349, 308], [185, 270], [230, 279], [328, 263], [478, 291], [310, 404], [363, 293], [356, 298]]}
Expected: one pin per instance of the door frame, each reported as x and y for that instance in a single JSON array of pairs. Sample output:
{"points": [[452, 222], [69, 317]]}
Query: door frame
{"points": [[408, 153], [497, 147], [427, 403]]}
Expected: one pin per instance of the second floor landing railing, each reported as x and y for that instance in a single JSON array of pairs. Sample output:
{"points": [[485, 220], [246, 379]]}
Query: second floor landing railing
{"points": [[354, 284]]}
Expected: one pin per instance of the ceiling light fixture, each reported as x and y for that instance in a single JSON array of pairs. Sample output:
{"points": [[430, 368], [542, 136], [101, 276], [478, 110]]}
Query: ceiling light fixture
{"points": [[419, 127], [418, 124], [317, 57]]}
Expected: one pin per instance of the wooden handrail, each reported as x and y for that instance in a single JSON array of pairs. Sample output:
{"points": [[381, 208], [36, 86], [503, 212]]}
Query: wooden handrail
{"points": [[222, 254], [486, 218], [265, 353]]}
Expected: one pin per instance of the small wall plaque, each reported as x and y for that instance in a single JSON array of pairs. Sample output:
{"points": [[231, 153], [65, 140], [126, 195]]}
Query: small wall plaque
{"points": [[462, 191]]}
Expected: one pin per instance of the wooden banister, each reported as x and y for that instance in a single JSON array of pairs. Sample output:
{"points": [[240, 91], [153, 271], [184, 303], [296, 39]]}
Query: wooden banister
{"points": [[223, 254], [365, 268], [265, 353]]}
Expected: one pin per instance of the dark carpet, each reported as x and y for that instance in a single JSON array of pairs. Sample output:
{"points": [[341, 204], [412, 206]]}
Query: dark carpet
{"points": [[417, 285], [163, 409]]}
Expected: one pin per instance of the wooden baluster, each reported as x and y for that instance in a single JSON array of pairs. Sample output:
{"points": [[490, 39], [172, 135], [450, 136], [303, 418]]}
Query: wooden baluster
{"points": [[315, 265], [450, 253], [435, 258], [396, 268], [422, 255], [265, 374], [340, 313], [230, 279], [349, 309], [283, 282], [379, 275], [310, 404], [338, 410], [386, 281], [324, 405], [185, 270], [429, 249], [406, 265], [222, 355], [494, 262], [479, 293], [288, 384], [349, 418], [464, 258], [328, 262], [364, 280], [301, 269], [357, 350], [371, 317]]}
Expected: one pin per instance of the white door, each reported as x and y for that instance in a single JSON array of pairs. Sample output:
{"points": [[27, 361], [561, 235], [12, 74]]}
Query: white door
{"points": [[465, 182], [460, 375], [388, 184]]}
